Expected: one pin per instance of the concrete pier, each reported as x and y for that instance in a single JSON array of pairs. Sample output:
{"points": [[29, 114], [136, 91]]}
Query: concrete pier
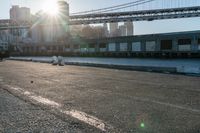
{"points": [[127, 101]]}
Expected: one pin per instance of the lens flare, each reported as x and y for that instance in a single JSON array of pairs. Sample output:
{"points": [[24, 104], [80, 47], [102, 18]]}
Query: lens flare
{"points": [[51, 7], [142, 125]]}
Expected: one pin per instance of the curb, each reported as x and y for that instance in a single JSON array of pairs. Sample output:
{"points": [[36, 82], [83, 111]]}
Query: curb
{"points": [[166, 70]]}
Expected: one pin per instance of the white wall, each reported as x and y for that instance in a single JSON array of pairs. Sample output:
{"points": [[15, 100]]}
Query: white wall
{"points": [[91, 50], [136, 46], [184, 47], [102, 49], [123, 46], [83, 49], [150, 46], [112, 47]]}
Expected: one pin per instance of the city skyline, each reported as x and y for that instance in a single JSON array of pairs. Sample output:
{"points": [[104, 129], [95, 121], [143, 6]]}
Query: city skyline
{"points": [[142, 27]]}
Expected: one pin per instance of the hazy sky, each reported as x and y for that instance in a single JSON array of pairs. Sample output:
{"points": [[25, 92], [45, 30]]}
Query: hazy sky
{"points": [[140, 27]]}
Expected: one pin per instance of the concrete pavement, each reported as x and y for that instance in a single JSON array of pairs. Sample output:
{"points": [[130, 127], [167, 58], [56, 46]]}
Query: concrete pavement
{"points": [[129, 101], [21, 116]]}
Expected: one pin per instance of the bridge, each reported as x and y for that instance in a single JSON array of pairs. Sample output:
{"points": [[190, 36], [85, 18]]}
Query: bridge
{"points": [[113, 14], [145, 15]]}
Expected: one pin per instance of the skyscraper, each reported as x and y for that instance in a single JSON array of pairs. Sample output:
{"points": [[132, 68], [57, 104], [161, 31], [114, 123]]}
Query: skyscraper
{"points": [[129, 27], [20, 13], [63, 27], [64, 9], [114, 29], [54, 29], [105, 27], [123, 30]]}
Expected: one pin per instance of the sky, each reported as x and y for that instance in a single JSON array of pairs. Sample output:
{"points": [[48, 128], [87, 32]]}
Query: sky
{"points": [[142, 27]]}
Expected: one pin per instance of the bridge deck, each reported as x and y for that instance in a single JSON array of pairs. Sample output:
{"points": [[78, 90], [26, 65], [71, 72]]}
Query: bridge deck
{"points": [[144, 15]]}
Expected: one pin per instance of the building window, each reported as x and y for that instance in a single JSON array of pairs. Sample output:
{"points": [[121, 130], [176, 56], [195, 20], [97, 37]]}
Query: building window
{"points": [[184, 41], [31, 49], [184, 44], [60, 48], [123, 46], [27, 49], [37, 49], [150, 46], [199, 41], [91, 45], [54, 48], [76, 46], [112, 47], [67, 46], [166, 44], [136, 46], [48, 48], [199, 44], [102, 45]]}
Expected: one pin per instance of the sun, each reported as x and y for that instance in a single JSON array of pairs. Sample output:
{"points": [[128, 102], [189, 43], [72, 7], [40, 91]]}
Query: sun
{"points": [[51, 7]]}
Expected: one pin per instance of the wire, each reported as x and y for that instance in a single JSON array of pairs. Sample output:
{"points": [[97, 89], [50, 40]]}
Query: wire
{"points": [[121, 6], [128, 6]]}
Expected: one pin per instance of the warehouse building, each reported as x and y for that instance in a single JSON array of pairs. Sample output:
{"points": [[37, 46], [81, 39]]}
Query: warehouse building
{"points": [[179, 44]]}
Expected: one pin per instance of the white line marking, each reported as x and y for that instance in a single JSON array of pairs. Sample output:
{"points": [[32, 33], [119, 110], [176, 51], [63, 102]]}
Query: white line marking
{"points": [[167, 104], [16, 89], [45, 101], [82, 116], [91, 120], [177, 106]]}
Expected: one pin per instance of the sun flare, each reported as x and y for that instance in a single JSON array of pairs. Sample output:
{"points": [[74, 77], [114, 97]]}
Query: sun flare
{"points": [[51, 7]]}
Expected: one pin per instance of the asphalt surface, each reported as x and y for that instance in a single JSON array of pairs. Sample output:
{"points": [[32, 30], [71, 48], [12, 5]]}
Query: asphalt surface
{"points": [[18, 116], [138, 102]]}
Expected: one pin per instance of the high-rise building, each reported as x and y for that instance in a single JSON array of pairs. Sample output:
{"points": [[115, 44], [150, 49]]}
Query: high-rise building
{"points": [[114, 29], [64, 10], [19, 14], [64, 18], [105, 27], [14, 12], [129, 27], [123, 30], [51, 30]]}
